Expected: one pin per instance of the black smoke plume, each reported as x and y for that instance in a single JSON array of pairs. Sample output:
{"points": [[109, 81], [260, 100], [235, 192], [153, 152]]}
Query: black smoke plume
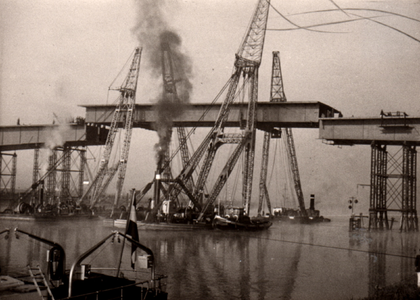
{"points": [[155, 35]]}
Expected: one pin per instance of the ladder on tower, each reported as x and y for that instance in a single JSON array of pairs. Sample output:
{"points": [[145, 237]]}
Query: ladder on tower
{"points": [[38, 277]]}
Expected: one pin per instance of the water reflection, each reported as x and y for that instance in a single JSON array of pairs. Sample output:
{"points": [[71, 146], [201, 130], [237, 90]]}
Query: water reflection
{"points": [[377, 263], [244, 265], [381, 256]]}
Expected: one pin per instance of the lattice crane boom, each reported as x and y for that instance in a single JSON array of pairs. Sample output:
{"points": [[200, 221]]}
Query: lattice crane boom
{"points": [[170, 90], [128, 93], [123, 114], [277, 95], [295, 170], [247, 61]]}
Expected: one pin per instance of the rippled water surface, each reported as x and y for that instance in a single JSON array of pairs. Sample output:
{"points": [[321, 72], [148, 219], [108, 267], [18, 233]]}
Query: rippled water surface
{"points": [[321, 261]]}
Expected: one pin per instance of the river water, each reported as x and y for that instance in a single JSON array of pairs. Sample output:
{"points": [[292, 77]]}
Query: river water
{"points": [[287, 261]]}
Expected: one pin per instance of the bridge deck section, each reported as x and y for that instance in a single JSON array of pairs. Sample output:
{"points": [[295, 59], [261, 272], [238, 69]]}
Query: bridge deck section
{"points": [[364, 131], [21, 137], [98, 118], [269, 115]]}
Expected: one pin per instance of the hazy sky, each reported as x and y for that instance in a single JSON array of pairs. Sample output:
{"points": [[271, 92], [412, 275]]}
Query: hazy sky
{"points": [[56, 55]]}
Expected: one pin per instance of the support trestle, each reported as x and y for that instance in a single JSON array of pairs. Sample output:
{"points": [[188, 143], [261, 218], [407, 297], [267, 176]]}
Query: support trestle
{"points": [[393, 187], [8, 163]]}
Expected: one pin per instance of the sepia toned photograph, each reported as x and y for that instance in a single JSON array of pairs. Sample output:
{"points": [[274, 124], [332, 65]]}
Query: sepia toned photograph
{"points": [[219, 149]]}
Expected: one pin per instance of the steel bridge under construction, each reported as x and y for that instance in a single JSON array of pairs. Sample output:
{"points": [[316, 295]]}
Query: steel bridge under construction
{"points": [[389, 130]]}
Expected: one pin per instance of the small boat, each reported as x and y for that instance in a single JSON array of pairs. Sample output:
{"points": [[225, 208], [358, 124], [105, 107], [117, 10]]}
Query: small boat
{"points": [[161, 226], [235, 219], [82, 281], [296, 216]]}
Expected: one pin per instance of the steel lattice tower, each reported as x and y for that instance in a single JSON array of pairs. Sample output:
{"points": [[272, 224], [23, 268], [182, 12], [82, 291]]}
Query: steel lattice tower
{"points": [[8, 176], [393, 187]]}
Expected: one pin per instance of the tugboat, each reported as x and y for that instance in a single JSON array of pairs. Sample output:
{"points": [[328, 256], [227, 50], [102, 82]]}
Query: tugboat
{"points": [[296, 216], [235, 219]]}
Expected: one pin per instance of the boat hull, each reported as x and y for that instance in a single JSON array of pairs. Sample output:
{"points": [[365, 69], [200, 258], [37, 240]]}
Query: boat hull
{"points": [[226, 224], [301, 219], [48, 218], [162, 226]]}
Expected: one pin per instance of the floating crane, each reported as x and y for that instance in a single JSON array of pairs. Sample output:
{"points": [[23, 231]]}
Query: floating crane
{"points": [[169, 83], [123, 116], [247, 62], [246, 65], [277, 95]]}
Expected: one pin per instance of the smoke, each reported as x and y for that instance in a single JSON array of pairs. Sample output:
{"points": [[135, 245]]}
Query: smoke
{"points": [[56, 138], [155, 35]]}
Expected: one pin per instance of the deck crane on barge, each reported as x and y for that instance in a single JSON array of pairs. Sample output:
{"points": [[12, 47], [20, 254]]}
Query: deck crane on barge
{"points": [[123, 116], [277, 95], [246, 65], [169, 82], [171, 99]]}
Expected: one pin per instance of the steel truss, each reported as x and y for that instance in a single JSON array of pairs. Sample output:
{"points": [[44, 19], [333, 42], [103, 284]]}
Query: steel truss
{"points": [[8, 164], [68, 174], [393, 187]]}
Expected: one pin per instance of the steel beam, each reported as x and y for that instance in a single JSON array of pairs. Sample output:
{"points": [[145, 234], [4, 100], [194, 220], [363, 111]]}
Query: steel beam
{"points": [[268, 115], [21, 137], [364, 131]]}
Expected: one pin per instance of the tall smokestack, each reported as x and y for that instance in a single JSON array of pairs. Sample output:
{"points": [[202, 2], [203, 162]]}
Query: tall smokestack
{"points": [[157, 182], [312, 202]]}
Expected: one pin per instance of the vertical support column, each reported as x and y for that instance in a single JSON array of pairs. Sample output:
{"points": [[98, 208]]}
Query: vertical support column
{"points": [[373, 188], [8, 177], [409, 221], [378, 216], [404, 192], [52, 177], [81, 172], [382, 174], [65, 175], [13, 176], [35, 174]]}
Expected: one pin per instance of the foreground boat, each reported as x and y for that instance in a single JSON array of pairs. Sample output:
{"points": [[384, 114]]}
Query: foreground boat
{"points": [[81, 282]]}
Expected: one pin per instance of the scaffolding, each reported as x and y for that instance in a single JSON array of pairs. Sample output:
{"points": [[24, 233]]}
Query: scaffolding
{"points": [[393, 187], [66, 166], [8, 162]]}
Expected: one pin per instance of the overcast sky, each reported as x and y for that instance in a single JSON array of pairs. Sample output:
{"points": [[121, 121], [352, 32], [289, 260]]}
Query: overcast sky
{"points": [[56, 55]]}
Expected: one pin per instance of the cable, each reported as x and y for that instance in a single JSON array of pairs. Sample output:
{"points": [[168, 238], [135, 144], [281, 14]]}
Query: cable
{"points": [[129, 59], [294, 24], [325, 24], [369, 19], [330, 247]]}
